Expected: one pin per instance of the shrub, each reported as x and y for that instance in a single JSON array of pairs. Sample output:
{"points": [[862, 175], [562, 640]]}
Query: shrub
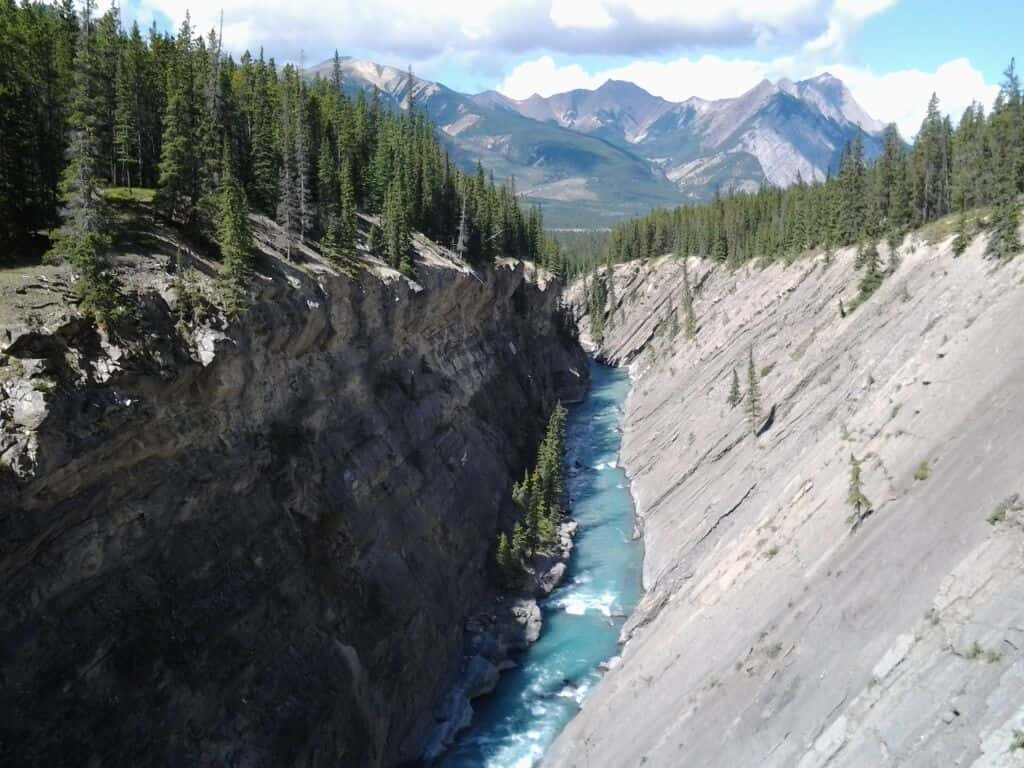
{"points": [[1009, 504]]}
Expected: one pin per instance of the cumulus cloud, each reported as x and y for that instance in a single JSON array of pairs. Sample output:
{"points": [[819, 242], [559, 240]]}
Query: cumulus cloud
{"points": [[845, 18], [900, 97], [792, 38], [414, 30]]}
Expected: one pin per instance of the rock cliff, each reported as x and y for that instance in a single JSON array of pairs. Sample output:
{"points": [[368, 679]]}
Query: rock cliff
{"points": [[256, 543], [772, 633]]}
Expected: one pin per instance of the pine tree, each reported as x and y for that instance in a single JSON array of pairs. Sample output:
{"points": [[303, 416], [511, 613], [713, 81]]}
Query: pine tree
{"points": [[234, 236], [290, 186], [126, 128], [506, 559], [690, 321], [263, 186], [855, 497], [753, 395], [520, 545], [347, 220], [83, 240], [397, 239], [178, 186], [963, 238], [872, 272], [735, 395], [1007, 139]]}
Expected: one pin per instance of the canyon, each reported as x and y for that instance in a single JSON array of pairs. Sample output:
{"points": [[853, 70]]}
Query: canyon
{"points": [[254, 540], [773, 630]]}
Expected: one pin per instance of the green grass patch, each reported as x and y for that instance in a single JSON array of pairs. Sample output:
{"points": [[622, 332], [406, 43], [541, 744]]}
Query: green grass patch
{"points": [[923, 472], [134, 195]]}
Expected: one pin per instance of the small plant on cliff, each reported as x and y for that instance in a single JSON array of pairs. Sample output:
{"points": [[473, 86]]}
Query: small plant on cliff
{"points": [[735, 395], [963, 237], [596, 301], [753, 395], [690, 319], [855, 498], [1007, 505], [508, 562], [1018, 740], [923, 472], [872, 272]]}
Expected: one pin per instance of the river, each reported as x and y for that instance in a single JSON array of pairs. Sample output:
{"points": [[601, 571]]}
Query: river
{"points": [[514, 725]]}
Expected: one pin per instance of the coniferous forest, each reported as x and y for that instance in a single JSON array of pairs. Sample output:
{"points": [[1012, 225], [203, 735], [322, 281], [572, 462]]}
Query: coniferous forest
{"points": [[87, 106], [978, 165]]}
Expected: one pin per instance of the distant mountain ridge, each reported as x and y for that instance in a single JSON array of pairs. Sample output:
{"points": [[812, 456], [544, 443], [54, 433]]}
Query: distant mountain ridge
{"points": [[593, 157]]}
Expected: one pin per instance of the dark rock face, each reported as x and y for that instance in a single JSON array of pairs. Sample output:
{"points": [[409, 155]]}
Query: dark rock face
{"points": [[260, 549]]}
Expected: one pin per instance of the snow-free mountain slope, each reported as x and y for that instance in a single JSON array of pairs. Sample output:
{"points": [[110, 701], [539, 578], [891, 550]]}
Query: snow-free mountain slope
{"points": [[597, 156]]}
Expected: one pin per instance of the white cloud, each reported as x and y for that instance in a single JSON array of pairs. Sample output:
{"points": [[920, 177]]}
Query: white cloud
{"points": [[844, 21], [580, 14], [545, 77], [900, 97], [417, 30], [709, 77]]}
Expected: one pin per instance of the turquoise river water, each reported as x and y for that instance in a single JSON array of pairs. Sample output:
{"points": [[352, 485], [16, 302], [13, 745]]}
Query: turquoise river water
{"points": [[513, 726]]}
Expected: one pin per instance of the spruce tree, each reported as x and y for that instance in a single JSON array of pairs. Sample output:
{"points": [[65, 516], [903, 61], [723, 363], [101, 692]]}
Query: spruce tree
{"points": [[178, 187], [963, 238], [872, 271], [83, 240], [263, 187], [753, 395], [234, 236], [855, 497], [690, 318], [397, 239], [1004, 241], [520, 545], [735, 395], [126, 129], [506, 560]]}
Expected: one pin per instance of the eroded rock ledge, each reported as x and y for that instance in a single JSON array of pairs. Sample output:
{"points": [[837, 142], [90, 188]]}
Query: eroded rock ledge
{"points": [[257, 543]]}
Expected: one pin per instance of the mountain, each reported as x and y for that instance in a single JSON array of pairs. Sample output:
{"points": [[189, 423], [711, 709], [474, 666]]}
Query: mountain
{"points": [[775, 132], [595, 157], [580, 179]]}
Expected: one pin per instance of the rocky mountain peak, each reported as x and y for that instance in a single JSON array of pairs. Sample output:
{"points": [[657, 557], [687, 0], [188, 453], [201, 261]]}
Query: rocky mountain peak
{"points": [[583, 151]]}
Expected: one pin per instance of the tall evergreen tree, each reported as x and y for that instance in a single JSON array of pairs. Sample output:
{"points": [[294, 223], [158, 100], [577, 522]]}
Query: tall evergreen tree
{"points": [[753, 395], [735, 395], [234, 235], [690, 318], [179, 184], [83, 239]]}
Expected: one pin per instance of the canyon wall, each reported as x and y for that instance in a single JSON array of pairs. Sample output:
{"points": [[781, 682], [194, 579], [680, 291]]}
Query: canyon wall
{"points": [[255, 543], [773, 631]]}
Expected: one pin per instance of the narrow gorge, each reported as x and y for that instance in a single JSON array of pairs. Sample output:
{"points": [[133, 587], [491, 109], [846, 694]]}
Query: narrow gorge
{"points": [[254, 542], [781, 626]]}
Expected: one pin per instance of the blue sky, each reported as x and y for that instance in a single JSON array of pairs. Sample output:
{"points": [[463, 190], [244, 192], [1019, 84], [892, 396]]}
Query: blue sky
{"points": [[891, 53]]}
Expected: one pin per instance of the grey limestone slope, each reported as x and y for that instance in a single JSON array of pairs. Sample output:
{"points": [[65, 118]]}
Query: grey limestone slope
{"points": [[771, 634]]}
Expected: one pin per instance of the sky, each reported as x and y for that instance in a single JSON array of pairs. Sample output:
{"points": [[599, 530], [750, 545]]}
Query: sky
{"points": [[892, 54]]}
